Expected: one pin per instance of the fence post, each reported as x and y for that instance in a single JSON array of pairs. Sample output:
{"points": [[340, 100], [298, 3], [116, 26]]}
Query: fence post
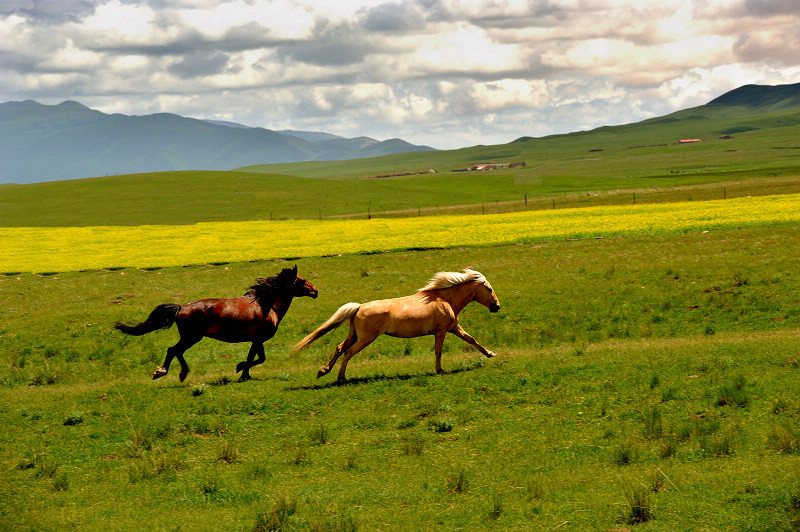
{"points": [[634, 198], [554, 203], [369, 213], [724, 192], [526, 199]]}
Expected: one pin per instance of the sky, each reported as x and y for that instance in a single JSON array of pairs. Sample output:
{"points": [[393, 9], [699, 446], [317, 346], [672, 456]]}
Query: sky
{"points": [[443, 73]]}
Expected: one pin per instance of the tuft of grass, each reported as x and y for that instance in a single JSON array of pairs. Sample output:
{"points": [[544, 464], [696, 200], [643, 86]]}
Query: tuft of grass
{"points": [[61, 482], [75, 418], [457, 482], [670, 394], [442, 425], [653, 425], [639, 505], [45, 467], [277, 517], [319, 435], [734, 393], [341, 522], [785, 439], [138, 443], [413, 445], [228, 452], [495, 506], [625, 453], [210, 487]]}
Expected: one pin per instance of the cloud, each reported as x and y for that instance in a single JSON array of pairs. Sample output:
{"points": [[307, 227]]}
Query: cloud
{"points": [[446, 73]]}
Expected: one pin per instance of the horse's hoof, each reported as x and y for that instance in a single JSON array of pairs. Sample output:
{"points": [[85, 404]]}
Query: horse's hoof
{"points": [[159, 372], [322, 372], [491, 354], [245, 378], [183, 375], [240, 366]]}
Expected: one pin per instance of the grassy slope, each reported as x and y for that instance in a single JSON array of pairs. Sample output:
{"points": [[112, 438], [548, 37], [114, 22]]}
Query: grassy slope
{"points": [[558, 167], [611, 350]]}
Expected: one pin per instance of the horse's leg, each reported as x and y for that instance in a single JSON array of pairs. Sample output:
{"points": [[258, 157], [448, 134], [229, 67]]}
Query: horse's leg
{"points": [[437, 349], [464, 335], [256, 349], [341, 348], [176, 350], [359, 344], [245, 365]]}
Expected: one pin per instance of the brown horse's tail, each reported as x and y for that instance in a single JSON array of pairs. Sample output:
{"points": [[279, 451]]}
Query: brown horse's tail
{"points": [[162, 317], [345, 312]]}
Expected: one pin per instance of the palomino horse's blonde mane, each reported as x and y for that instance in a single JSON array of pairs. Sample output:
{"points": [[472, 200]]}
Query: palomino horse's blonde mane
{"points": [[448, 279]]}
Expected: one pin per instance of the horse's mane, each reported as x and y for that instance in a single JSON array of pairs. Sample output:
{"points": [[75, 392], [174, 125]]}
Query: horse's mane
{"points": [[267, 290], [448, 279]]}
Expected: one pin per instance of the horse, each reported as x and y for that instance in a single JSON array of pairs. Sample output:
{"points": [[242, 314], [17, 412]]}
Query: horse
{"points": [[433, 310], [253, 317]]}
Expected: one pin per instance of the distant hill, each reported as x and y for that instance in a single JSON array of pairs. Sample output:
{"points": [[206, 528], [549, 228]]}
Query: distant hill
{"points": [[747, 108], [65, 141]]}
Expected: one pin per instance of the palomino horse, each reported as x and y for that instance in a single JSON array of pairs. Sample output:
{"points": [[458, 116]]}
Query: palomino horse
{"points": [[432, 310], [254, 317]]}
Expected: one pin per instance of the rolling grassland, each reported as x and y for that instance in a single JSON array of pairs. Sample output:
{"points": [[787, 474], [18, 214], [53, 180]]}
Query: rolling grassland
{"points": [[644, 382]]}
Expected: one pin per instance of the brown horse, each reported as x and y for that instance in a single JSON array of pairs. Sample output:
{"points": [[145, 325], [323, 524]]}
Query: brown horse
{"points": [[254, 317], [432, 310]]}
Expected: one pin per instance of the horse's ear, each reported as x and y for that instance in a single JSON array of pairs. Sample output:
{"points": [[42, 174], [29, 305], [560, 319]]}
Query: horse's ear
{"points": [[295, 270]]}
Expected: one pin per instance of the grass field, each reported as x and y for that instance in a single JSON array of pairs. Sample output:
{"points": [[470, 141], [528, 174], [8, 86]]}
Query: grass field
{"points": [[648, 354], [642, 382], [561, 171]]}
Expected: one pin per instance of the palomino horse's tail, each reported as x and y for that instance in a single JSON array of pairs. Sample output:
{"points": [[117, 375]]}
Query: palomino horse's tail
{"points": [[162, 317], [345, 312]]}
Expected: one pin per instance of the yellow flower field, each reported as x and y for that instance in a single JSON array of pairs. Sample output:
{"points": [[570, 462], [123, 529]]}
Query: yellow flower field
{"points": [[47, 249]]}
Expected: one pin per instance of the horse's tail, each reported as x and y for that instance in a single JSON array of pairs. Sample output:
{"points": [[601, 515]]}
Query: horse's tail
{"points": [[162, 317], [345, 312]]}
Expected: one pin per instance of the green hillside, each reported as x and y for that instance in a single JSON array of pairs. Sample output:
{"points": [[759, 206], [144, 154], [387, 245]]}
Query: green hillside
{"points": [[607, 164]]}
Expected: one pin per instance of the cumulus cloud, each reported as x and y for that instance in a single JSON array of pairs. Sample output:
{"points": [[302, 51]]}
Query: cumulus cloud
{"points": [[447, 73]]}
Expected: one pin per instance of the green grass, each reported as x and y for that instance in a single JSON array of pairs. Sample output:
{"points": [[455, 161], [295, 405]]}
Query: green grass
{"points": [[608, 165], [602, 411]]}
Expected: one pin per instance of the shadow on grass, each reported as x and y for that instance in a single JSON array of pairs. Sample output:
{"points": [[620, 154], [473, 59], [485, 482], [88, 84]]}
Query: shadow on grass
{"points": [[383, 378]]}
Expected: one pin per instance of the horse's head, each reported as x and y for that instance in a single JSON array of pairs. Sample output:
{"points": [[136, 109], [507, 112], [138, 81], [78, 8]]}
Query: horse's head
{"points": [[301, 287], [484, 294], [304, 288]]}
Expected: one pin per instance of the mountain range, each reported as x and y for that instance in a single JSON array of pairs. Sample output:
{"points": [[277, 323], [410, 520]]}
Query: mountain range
{"points": [[55, 142], [41, 142]]}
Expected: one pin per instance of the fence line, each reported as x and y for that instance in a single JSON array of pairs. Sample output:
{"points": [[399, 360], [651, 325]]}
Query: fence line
{"points": [[589, 199]]}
